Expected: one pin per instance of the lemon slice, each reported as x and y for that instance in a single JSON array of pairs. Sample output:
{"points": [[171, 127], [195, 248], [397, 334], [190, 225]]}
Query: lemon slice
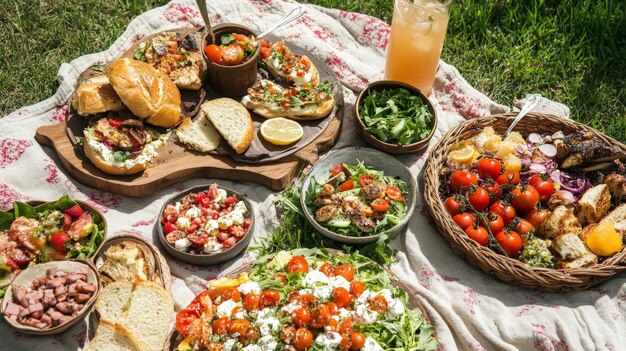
{"points": [[281, 131], [465, 155]]}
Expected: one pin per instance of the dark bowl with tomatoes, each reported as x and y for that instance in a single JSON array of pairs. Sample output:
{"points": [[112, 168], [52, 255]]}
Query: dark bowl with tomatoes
{"points": [[234, 79], [231, 240]]}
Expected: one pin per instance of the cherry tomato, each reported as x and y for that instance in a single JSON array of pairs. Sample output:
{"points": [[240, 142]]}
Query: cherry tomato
{"points": [[380, 205], [303, 339], [346, 325], [463, 179], [366, 179], [269, 298], [319, 316], [489, 168], [524, 198], [230, 200], [494, 189], [221, 326], [280, 277], [251, 335], [198, 238], [332, 308], [453, 205], [213, 191], [232, 55], [191, 229], [357, 288], [115, 121], [288, 334], [214, 53], [345, 270], [58, 240], [169, 227], [346, 340], [185, 318], [478, 234], [479, 199], [358, 341], [341, 297], [510, 242], [464, 220], [347, 185], [199, 197], [298, 264], [535, 217], [523, 226], [231, 294], [394, 193], [331, 325], [301, 317], [379, 304], [508, 178], [494, 222], [507, 212], [239, 326], [251, 301], [336, 169], [327, 269], [265, 52], [543, 185]]}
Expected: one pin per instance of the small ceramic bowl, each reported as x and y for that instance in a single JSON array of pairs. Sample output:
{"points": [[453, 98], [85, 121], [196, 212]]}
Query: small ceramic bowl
{"points": [[372, 158], [37, 271], [230, 81], [206, 259], [381, 145]]}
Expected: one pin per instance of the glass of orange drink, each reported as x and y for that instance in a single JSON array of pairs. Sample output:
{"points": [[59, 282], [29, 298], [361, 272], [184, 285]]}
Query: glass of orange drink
{"points": [[418, 29]]}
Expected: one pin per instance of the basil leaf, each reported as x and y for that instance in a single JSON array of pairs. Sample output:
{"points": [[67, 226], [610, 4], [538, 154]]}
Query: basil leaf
{"points": [[227, 39], [23, 209], [140, 52], [6, 218], [121, 156], [61, 204]]}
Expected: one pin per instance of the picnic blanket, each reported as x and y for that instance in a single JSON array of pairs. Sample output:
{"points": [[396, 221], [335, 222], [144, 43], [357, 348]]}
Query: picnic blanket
{"points": [[471, 310]]}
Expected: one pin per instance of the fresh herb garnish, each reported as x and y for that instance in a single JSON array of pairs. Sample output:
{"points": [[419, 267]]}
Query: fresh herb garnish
{"points": [[227, 39], [140, 52], [396, 116], [99, 68], [121, 156]]}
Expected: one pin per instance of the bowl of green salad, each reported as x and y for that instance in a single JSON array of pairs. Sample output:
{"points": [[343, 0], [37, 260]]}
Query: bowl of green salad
{"points": [[395, 117], [353, 195]]}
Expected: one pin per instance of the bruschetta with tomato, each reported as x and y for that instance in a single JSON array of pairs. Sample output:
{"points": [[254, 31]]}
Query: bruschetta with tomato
{"points": [[281, 62]]}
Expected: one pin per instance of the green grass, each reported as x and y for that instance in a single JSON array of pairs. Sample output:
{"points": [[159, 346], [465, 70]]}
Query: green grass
{"points": [[571, 51]]}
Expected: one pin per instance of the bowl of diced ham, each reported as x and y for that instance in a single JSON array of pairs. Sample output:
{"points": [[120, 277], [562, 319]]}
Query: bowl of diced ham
{"points": [[51, 297]]}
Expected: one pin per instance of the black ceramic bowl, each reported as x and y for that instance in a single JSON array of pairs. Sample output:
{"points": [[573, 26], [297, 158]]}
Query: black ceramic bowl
{"points": [[213, 258]]}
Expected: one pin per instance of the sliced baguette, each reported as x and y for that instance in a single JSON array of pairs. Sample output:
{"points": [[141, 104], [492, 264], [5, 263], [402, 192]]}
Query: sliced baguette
{"points": [[128, 261], [314, 73], [113, 301], [149, 314], [199, 135], [594, 204], [113, 337], [618, 218], [232, 121]]}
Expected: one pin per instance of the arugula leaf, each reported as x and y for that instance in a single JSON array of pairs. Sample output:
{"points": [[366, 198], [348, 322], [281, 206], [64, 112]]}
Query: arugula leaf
{"points": [[121, 156], [396, 116], [227, 39], [6, 218], [23, 209], [140, 52]]}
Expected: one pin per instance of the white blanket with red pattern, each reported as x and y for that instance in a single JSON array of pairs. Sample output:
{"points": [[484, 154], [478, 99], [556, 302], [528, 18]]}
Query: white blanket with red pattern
{"points": [[470, 309]]}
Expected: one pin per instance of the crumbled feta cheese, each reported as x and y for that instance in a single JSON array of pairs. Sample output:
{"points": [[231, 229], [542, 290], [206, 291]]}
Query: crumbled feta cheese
{"points": [[396, 308], [314, 277], [225, 309], [212, 227], [237, 217], [178, 206], [212, 246], [193, 212], [229, 345], [323, 292], [240, 315], [364, 315], [344, 313], [221, 196], [182, 244], [241, 207], [339, 281], [371, 345], [306, 291], [252, 347], [182, 222], [267, 343], [329, 340], [291, 307], [233, 218], [249, 287]]}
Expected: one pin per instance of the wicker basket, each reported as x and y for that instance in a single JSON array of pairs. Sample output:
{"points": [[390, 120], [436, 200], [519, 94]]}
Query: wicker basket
{"points": [[504, 268]]}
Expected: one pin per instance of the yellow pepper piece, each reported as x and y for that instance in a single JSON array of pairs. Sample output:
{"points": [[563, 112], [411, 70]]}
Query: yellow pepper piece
{"points": [[604, 239]]}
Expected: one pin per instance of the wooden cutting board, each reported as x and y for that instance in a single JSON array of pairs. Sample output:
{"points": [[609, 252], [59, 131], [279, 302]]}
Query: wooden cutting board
{"points": [[175, 163]]}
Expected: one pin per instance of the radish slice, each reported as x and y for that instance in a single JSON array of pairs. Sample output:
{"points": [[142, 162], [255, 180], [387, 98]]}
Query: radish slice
{"points": [[548, 150], [537, 168], [535, 138], [558, 135]]}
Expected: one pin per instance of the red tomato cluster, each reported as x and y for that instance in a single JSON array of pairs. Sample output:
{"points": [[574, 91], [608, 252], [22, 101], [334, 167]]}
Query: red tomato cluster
{"points": [[493, 203]]}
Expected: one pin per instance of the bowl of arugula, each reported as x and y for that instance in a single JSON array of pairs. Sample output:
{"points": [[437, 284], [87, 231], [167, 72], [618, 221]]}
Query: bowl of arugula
{"points": [[395, 117]]}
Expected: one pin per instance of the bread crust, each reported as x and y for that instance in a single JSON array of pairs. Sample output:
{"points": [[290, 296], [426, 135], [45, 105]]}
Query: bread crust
{"points": [[237, 107], [96, 95], [148, 93], [107, 167]]}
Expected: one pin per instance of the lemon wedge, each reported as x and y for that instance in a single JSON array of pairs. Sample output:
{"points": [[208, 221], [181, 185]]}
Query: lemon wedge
{"points": [[604, 239], [281, 131], [466, 155]]}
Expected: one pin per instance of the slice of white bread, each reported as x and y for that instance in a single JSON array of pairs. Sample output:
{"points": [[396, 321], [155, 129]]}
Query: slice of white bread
{"points": [[199, 135], [594, 204], [113, 301], [113, 337], [569, 246], [618, 218], [127, 261], [231, 120], [561, 221], [149, 315], [587, 259]]}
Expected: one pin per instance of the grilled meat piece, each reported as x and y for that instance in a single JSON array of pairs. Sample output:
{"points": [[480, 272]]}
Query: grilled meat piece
{"points": [[617, 185], [352, 207], [328, 200], [326, 213], [132, 123], [564, 146], [365, 224], [327, 190], [372, 191], [20, 232], [591, 150], [123, 137]]}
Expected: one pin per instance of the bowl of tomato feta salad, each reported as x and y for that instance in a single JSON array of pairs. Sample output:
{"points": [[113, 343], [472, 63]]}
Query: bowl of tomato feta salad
{"points": [[206, 224], [305, 299]]}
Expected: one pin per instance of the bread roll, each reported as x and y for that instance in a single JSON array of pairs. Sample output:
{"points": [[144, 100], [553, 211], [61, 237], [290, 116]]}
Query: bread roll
{"points": [[147, 93], [96, 95]]}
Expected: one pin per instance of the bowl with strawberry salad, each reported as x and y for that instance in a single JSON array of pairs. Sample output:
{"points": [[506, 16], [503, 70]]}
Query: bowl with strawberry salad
{"points": [[206, 225]]}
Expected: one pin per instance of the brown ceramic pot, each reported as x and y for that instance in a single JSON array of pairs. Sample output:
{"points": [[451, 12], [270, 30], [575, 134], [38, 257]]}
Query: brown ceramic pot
{"points": [[230, 81]]}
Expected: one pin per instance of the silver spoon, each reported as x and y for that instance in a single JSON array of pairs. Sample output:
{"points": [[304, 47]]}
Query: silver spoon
{"points": [[292, 15], [530, 104], [205, 17]]}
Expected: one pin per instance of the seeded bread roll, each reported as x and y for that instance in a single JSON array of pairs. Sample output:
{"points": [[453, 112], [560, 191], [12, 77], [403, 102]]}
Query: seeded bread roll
{"points": [[148, 93]]}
